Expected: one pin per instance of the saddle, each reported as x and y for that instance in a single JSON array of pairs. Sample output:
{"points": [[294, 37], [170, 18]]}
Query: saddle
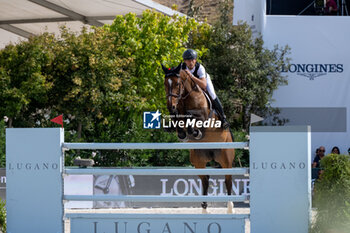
{"points": [[210, 104]]}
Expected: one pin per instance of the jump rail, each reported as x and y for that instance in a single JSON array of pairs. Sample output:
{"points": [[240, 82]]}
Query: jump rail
{"points": [[156, 171], [155, 198], [156, 146]]}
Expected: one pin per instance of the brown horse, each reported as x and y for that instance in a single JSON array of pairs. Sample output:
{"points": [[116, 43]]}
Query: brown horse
{"points": [[184, 97]]}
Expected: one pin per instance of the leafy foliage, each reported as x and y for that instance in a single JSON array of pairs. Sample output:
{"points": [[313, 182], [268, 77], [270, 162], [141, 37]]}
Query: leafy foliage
{"points": [[2, 216], [150, 40], [2, 143], [332, 195], [91, 80], [22, 75]]}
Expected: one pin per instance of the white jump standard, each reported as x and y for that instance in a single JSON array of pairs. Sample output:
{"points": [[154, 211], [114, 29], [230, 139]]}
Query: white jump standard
{"points": [[280, 186]]}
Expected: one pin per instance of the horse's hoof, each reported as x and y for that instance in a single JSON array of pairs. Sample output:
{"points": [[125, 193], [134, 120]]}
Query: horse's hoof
{"points": [[230, 209], [183, 138], [205, 211], [199, 135]]}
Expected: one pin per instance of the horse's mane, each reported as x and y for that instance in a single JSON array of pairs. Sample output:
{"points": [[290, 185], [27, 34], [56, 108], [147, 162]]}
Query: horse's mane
{"points": [[183, 74]]}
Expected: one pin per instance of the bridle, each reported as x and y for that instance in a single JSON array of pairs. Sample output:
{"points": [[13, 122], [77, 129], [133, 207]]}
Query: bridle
{"points": [[181, 85], [171, 94]]}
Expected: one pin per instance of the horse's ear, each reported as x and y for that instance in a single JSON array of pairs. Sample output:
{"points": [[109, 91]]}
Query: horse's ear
{"points": [[178, 68], [165, 69]]}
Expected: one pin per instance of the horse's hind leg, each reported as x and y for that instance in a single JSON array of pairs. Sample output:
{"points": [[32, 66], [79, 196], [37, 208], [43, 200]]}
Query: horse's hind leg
{"points": [[228, 183], [205, 186], [199, 161], [226, 159]]}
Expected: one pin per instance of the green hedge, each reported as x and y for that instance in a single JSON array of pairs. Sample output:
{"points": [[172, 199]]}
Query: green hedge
{"points": [[332, 195], [2, 216], [2, 143]]}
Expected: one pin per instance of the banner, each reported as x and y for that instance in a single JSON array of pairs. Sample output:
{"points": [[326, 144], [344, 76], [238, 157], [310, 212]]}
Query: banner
{"points": [[319, 75], [164, 186], [142, 185]]}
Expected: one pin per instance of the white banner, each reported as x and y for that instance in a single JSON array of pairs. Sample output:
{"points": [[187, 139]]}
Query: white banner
{"points": [[319, 75]]}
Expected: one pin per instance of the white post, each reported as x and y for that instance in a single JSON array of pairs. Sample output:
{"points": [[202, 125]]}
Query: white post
{"points": [[280, 179], [34, 189]]}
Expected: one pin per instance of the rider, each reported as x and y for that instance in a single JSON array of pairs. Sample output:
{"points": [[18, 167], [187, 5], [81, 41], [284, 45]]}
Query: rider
{"points": [[202, 79]]}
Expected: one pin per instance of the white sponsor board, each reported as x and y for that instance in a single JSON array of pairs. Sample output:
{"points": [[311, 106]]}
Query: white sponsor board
{"points": [[320, 72], [280, 161], [137, 223]]}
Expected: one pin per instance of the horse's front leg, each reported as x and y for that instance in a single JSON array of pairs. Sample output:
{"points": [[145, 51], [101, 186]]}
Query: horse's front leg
{"points": [[196, 133], [205, 186], [182, 134], [228, 183]]}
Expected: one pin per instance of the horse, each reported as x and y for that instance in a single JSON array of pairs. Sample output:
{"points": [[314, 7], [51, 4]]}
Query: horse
{"points": [[185, 97]]}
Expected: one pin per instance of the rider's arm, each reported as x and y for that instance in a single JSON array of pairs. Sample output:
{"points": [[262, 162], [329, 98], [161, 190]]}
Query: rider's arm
{"points": [[202, 82]]}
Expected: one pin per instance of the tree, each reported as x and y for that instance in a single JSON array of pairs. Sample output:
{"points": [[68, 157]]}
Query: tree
{"points": [[90, 79], [151, 40], [332, 195], [23, 82], [2, 143]]}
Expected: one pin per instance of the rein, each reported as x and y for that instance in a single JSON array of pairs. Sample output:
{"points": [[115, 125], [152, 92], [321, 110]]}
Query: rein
{"points": [[192, 88], [182, 96], [182, 88]]}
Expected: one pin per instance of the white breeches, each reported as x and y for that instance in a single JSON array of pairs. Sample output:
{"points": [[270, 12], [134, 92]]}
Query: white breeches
{"points": [[210, 88]]}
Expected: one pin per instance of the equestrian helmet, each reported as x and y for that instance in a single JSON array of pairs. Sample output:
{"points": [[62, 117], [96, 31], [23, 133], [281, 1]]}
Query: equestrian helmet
{"points": [[189, 54]]}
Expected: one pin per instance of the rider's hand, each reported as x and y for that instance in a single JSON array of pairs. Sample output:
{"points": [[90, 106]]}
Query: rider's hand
{"points": [[188, 73]]}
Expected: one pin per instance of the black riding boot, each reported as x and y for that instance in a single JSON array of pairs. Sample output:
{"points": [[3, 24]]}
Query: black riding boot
{"points": [[218, 107]]}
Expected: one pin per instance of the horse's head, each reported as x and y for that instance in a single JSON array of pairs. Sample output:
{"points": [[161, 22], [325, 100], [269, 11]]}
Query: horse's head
{"points": [[173, 88]]}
